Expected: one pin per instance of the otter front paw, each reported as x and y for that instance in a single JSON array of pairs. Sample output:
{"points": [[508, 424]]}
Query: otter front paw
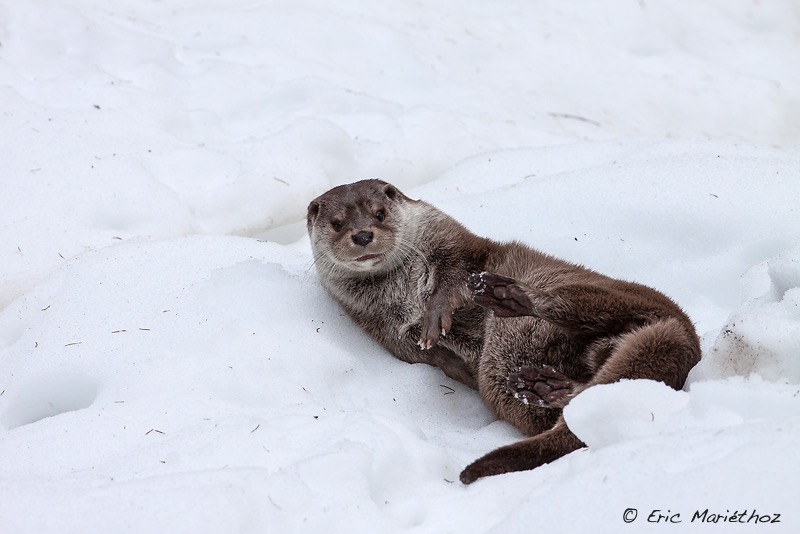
{"points": [[437, 321], [504, 296], [431, 331], [542, 386]]}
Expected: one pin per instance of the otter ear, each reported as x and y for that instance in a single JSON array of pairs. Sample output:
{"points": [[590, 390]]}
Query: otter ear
{"points": [[313, 211], [390, 191]]}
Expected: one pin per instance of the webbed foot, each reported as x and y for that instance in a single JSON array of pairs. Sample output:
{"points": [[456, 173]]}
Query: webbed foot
{"points": [[504, 296], [542, 386]]}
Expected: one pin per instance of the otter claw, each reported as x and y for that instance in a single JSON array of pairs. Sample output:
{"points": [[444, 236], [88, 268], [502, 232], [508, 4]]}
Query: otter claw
{"points": [[476, 283]]}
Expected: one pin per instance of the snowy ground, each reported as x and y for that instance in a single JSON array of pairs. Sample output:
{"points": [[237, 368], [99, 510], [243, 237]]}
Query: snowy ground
{"points": [[169, 362]]}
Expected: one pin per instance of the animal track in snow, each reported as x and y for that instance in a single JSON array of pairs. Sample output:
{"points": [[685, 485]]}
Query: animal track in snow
{"points": [[10, 333], [47, 397]]}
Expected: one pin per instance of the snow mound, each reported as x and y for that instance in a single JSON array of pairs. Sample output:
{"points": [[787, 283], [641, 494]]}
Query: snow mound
{"points": [[763, 335], [630, 410]]}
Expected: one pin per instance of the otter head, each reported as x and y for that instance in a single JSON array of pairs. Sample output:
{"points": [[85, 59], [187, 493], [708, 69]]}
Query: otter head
{"points": [[356, 227]]}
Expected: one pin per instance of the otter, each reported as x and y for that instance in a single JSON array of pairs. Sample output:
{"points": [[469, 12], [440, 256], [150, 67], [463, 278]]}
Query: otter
{"points": [[527, 330]]}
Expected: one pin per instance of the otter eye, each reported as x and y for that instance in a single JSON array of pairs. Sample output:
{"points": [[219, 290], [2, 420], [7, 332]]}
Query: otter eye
{"points": [[337, 225], [380, 215]]}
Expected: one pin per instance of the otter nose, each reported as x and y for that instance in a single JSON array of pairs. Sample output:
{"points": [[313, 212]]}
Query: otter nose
{"points": [[362, 238]]}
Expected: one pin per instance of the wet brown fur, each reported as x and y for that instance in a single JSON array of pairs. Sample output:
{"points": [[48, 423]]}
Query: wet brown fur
{"points": [[529, 333]]}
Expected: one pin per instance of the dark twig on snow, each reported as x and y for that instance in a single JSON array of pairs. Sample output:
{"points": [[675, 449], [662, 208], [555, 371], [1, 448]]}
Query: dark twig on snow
{"points": [[574, 117]]}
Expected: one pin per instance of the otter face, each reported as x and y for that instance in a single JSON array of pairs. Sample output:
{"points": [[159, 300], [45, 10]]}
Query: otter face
{"points": [[356, 226]]}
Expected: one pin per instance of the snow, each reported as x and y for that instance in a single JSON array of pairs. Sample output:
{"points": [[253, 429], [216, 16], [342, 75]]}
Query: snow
{"points": [[170, 363]]}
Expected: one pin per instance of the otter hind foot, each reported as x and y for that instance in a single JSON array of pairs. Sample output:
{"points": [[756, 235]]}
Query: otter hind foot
{"points": [[542, 386], [502, 295]]}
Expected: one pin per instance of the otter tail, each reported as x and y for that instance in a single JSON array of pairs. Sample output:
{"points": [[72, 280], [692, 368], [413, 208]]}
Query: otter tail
{"points": [[524, 455]]}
